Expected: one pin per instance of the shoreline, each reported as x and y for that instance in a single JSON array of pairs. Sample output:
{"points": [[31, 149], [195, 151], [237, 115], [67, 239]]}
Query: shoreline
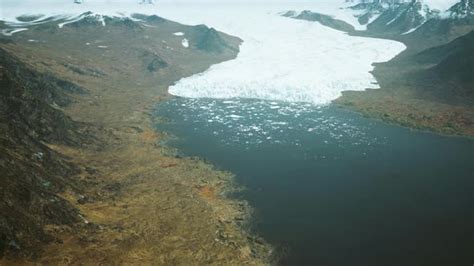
{"points": [[230, 186], [428, 130], [405, 117]]}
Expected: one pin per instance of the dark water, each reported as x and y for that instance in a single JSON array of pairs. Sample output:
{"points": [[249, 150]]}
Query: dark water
{"points": [[334, 188]]}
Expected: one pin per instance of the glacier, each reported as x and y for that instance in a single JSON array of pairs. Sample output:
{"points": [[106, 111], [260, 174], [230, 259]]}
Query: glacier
{"points": [[281, 59]]}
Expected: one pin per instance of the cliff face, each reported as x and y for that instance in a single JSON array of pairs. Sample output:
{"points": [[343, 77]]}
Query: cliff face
{"points": [[31, 173]]}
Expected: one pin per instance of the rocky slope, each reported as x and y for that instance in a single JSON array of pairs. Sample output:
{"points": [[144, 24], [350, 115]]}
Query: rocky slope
{"points": [[462, 9], [325, 20], [32, 173], [452, 64]]}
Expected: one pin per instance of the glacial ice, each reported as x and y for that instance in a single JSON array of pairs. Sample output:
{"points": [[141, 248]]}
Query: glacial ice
{"points": [[281, 59]]}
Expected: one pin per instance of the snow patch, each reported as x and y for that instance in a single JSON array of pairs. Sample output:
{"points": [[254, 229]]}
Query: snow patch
{"points": [[10, 32], [78, 18], [185, 43]]}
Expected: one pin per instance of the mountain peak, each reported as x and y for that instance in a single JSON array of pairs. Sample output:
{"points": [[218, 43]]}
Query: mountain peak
{"points": [[406, 16], [462, 8]]}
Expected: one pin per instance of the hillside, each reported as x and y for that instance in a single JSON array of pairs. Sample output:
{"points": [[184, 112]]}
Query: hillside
{"points": [[32, 173], [454, 65], [86, 177]]}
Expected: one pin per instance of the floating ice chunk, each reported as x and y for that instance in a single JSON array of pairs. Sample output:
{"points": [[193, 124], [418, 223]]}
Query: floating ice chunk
{"points": [[102, 46], [234, 116], [178, 34], [185, 43]]}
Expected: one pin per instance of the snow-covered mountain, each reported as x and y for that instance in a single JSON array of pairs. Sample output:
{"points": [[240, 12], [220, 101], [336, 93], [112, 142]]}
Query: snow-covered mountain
{"points": [[439, 5], [462, 8], [406, 16]]}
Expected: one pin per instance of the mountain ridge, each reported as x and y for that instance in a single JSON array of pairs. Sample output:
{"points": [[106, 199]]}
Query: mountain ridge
{"points": [[406, 16]]}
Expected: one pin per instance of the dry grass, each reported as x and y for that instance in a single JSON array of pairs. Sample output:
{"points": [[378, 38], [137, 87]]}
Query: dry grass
{"points": [[404, 107]]}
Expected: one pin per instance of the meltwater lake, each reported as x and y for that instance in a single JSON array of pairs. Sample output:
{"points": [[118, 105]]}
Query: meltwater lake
{"points": [[330, 187]]}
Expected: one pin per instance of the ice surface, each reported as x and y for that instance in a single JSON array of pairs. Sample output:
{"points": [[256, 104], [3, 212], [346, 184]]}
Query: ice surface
{"points": [[281, 58]]}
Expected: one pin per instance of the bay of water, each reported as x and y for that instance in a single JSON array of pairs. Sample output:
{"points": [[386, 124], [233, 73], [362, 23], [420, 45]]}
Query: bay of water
{"points": [[331, 187]]}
